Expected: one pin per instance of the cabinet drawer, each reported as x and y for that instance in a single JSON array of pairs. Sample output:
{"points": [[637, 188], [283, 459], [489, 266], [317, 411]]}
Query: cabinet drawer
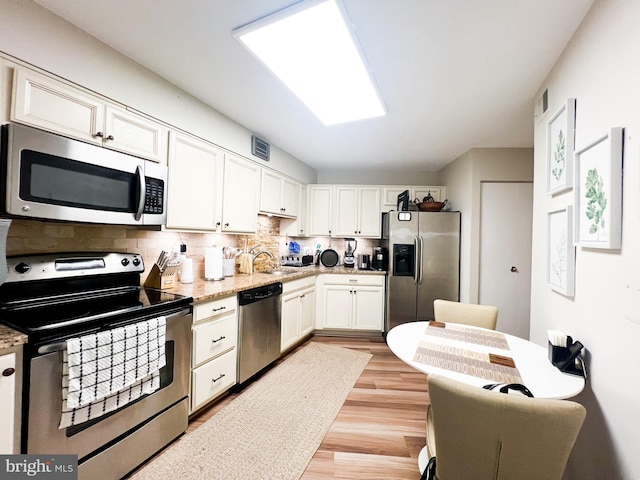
{"points": [[213, 338], [212, 379], [298, 284], [214, 308], [372, 280]]}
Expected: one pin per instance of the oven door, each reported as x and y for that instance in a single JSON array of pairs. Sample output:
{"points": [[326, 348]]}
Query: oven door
{"points": [[53, 177], [92, 437]]}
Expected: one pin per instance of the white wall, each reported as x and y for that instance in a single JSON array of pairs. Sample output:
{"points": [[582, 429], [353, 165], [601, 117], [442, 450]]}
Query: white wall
{"points": [[363, 176], [34, 35], [600, 68], [463, 178]]}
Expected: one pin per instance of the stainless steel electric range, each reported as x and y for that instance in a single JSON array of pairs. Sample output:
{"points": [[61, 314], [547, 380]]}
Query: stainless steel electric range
{"points": [[57, 297]]}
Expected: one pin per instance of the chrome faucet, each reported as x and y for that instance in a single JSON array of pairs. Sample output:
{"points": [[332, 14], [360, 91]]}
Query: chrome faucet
{"points": [[256, 255]]}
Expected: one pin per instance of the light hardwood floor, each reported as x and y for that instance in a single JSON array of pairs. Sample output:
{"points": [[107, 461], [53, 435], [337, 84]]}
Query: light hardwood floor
{"points": [[380, 429]]}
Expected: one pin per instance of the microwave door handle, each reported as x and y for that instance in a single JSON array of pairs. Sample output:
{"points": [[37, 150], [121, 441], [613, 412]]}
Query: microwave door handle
{"points": [[143, 193]]}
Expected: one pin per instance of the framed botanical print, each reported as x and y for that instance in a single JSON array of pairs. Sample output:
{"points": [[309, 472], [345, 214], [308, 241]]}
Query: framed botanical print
{"points": [[561, 251], [560, 146], [598, 192]]}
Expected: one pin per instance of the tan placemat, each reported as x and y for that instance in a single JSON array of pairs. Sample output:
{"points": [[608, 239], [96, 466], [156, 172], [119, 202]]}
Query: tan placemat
{"points": [[462, 333], [496, 368]]}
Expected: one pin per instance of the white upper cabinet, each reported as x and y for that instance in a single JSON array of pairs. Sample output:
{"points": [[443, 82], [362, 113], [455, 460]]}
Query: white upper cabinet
{"points": [[320, 210], [241, 194], [195, 184], [357, 211], [297, 227], [390, 194], [279, 195], [132, 133], [45, 103]]}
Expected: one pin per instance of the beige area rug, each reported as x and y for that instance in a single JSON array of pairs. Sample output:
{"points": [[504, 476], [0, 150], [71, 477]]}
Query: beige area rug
{"points": [[272, 429]]}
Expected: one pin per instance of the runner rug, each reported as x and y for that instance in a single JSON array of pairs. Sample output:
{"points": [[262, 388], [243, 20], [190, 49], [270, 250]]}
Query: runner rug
{"points": [[273, 428]]}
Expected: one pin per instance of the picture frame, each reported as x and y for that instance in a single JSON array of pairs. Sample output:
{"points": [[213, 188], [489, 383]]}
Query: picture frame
{"points": [[561, 251], [598, 192], [560, 148]]}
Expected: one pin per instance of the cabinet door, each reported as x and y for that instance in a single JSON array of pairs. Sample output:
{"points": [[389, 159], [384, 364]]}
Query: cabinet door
{"points": [[290, 197], [195, 184], [368, 308], [307, 311], [240, 195], [370, 218], [338, 309], [7, 403], [270, 192], [135, 134], [320, 210], [346, 211], [290, 320], [436, 192], [42, 102]]}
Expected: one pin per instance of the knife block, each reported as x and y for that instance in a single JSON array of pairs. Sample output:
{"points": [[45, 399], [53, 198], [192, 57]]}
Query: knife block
{"points": [[157, 279]]}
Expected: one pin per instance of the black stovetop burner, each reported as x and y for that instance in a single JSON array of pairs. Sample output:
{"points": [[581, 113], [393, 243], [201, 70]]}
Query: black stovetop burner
{"points": [[63, 294]]}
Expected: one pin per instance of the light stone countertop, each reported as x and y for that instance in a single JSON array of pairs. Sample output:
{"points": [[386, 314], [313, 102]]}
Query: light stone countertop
{"points": [[10, 338], [203, 290]]}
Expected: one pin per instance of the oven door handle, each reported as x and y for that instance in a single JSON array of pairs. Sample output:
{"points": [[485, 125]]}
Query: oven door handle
{"points": [[52, 347]]}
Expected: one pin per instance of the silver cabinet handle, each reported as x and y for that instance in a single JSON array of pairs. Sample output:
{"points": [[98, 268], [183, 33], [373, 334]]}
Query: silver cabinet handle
{"points": [[214, 380], [218, 309], [221, 338]]}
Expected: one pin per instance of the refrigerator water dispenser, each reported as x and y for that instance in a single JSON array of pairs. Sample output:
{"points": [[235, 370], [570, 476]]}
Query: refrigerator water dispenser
{"points": [[403, 260]]}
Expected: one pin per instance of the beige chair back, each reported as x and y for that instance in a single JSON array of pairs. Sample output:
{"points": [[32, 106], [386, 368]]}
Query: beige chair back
{"points": [[484, 316], [486, 435]]}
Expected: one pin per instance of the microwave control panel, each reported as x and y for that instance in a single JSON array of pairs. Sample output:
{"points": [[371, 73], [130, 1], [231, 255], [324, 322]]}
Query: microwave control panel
{"points": [[154, 196]]}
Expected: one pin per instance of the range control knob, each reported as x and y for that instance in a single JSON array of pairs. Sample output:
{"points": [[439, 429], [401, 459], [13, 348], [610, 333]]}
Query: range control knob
{"points": [[22, 267], [124, 262], [136, 261]]}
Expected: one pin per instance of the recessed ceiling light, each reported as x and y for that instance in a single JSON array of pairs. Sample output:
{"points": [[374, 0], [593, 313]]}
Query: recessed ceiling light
{"points": [[310, 47]]}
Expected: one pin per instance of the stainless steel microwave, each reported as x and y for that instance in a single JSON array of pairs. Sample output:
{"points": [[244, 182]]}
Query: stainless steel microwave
{"points": [[48, 176]]}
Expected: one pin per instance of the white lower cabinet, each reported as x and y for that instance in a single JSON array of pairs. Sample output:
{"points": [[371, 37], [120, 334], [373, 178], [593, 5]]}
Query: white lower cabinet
{"points": [[351, 302], [298, 311], [7, 403], [214, 349]]}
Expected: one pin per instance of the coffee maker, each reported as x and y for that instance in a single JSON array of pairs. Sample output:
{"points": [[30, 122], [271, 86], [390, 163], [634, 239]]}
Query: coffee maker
{"points": [[379, 260], [349, 257]]}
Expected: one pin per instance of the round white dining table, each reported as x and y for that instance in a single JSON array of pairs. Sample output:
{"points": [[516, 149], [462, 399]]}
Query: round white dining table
{"points": [[531, 360]]}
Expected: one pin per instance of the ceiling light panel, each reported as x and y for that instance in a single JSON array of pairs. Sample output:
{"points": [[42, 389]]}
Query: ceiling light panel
{"points": [[311, 49]]}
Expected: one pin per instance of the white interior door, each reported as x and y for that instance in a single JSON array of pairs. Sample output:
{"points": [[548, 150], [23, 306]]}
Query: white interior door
{"points": [[505, 253]]}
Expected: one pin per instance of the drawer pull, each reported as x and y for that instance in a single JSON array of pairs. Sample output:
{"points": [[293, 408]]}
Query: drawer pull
{"points": [[353, 280], [216, 341], [7, 372], [214, 380], [218, 309]]}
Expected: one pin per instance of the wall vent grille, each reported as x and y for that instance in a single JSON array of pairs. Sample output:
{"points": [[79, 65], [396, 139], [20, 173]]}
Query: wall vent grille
{"points": [[260, 148]]}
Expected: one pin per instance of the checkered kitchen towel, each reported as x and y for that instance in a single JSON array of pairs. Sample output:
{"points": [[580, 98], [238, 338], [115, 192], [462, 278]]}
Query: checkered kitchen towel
{"points": [[106, 370]]}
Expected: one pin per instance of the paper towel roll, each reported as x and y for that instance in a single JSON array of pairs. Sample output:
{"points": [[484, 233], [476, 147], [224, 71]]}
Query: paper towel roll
{"points": [[213, 263]]}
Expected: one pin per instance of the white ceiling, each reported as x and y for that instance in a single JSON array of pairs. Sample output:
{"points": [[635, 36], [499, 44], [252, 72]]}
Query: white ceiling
{"points": [[453, 74]]}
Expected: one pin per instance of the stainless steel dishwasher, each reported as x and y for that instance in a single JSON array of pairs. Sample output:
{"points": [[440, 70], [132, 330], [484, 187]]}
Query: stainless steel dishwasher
{"points": [[258, 329]]}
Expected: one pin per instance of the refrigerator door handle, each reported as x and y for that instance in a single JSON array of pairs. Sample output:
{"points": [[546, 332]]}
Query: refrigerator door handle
{"points": [[421, 243], [416, 260]]}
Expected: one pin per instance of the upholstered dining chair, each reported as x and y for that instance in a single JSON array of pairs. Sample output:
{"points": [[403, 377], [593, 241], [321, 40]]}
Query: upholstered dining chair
{"points": [[484, 316], [477, 434]]}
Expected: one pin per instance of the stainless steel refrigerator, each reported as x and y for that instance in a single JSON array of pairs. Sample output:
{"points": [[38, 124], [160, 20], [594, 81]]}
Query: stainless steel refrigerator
{"points": [[424, 263]]}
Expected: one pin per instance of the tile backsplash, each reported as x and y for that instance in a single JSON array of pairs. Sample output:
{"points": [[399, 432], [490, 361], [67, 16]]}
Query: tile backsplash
{"points": [[33, 236]]}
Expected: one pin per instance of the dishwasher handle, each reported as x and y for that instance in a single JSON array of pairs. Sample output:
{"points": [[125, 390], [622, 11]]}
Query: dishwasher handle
{"points": [[247, 297]]}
